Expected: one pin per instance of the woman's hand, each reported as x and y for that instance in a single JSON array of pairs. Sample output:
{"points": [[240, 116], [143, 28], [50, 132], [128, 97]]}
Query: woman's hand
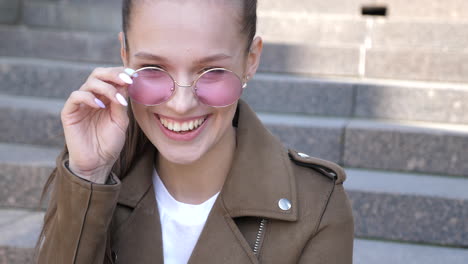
{"points": [[95, 121]]}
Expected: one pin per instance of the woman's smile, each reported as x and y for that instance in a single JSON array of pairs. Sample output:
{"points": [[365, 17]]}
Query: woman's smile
{"points": [[185, 129]]}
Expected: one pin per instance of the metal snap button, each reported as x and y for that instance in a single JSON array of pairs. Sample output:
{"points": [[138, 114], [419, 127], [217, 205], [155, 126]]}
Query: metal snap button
{"points": [[284, 204], [303, 155]]}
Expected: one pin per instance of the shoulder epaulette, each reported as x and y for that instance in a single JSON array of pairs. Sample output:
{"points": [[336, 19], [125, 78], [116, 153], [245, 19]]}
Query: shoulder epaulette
{"points": [[324, 167]]}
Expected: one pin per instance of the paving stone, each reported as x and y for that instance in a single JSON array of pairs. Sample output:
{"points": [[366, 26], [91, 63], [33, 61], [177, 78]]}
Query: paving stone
{"points": [[288, 94], [318, 137], [384, 252], [23, 174], [9, 11], [31, 121], [310, 59], [407, 146], [408, 64], [405, 207], [418, 101], [422, 34]]}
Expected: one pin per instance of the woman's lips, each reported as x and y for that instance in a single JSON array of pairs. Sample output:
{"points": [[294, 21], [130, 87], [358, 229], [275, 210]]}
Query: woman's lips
{"points": [[179, 130]]}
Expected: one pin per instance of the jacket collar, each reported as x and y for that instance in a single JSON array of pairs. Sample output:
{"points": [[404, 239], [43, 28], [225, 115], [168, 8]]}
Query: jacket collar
{"points": [[261, 174]]}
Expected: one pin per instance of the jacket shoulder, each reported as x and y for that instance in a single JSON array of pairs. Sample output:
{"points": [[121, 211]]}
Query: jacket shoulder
{"points": [[326, 168]]}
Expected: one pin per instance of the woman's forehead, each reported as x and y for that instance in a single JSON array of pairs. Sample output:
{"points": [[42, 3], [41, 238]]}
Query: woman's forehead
{"points": [[175, 27]]}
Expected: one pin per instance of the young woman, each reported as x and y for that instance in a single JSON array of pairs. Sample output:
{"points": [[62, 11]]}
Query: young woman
{"points": [[165, 164]]}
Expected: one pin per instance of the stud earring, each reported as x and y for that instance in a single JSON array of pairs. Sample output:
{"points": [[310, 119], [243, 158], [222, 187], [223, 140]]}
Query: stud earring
{"points": [[246, 80]]}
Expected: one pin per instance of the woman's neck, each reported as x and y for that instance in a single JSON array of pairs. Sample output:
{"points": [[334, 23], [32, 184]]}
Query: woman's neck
{"points": [[197, 182]]}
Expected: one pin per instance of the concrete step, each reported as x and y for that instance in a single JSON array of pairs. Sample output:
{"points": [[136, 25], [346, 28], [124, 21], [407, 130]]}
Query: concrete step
{"points": [[415, 208], [407, 146], [339, 97], [74, 15], [420, 34], [383, 252], [24, 170], [10, 11], [453, 10], [411, 64], [28, 120], [276, 26], [20, 230], [422, 9], [308, 58]]}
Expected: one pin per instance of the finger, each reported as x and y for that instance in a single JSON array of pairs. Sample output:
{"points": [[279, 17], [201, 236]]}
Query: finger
{"points": [[103, 89], [115, 75], [79, 98]]}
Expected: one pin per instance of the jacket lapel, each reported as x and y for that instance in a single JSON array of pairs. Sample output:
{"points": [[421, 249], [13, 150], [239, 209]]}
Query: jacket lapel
{"points": [[221, 241], [139, 239], [261, 173]]}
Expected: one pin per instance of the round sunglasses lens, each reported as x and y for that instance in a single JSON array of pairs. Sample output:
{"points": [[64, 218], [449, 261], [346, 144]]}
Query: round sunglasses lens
{"points": [[219, 88], [151, 87]]}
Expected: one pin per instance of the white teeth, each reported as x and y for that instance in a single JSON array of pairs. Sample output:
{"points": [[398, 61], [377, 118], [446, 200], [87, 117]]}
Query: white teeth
{"points": [[176, 127], [185, 126]]}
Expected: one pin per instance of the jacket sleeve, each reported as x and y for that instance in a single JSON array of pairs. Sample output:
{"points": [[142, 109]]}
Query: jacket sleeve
{"points": [[78, 229], [333, 242]]}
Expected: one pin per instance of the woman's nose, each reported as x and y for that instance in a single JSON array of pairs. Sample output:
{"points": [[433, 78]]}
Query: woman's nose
{"points": [[184, 98]]}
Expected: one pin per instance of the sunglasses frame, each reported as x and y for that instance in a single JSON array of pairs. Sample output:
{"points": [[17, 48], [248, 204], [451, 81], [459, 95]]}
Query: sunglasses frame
{"points": [[192, 85]]}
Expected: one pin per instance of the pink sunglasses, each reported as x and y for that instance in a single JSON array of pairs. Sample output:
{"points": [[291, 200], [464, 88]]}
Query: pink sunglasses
{"points": [[217, 87]]}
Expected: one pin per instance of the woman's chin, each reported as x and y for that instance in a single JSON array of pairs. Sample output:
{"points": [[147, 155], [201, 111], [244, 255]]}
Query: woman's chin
{"points": [[181, 157]]}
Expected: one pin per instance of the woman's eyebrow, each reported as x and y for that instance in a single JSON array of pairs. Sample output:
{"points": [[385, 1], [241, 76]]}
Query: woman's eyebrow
{"points": [[145, 55], [211, 58]]}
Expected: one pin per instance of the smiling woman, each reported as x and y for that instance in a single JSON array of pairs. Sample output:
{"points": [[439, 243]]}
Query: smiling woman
{"points": [[164, 163]]}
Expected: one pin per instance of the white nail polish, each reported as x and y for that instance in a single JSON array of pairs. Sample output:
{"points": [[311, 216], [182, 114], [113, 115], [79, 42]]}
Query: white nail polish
{"points": [[99, 103], [124, 77], [129, 71], [121, 99]]}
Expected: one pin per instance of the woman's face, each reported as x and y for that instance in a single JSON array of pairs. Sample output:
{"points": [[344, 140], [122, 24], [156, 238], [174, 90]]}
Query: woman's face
{"points": [[185, 37]]}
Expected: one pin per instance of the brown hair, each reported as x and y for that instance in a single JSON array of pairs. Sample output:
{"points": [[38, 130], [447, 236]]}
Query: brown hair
{"points": [[248, 19], [135, 140]]}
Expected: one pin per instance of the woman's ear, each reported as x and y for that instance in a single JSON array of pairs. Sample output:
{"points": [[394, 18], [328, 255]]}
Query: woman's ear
{"points": [[253, 58], [123, 49]]}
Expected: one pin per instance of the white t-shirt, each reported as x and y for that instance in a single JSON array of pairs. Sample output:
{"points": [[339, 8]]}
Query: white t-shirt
{"points": [[181, 223]]}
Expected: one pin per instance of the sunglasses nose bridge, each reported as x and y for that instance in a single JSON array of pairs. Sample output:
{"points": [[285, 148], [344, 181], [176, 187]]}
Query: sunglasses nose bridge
{"points": [[184, 85]]}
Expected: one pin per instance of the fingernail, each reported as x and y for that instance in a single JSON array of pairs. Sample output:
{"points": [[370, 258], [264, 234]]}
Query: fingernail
{"points": [[124, 77], [121, 99], [99, 103], [129, 71]]}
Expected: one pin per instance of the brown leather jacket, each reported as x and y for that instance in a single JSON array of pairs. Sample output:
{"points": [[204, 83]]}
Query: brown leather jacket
{"points": [[119, 223]]}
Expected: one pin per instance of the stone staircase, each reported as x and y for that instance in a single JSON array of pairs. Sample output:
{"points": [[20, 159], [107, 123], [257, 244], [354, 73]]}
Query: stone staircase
{"points": [[384, 96]]}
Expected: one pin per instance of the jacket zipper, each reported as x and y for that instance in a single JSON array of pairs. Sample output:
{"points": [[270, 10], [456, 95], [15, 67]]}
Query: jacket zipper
{"points": [[260, 235]]}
